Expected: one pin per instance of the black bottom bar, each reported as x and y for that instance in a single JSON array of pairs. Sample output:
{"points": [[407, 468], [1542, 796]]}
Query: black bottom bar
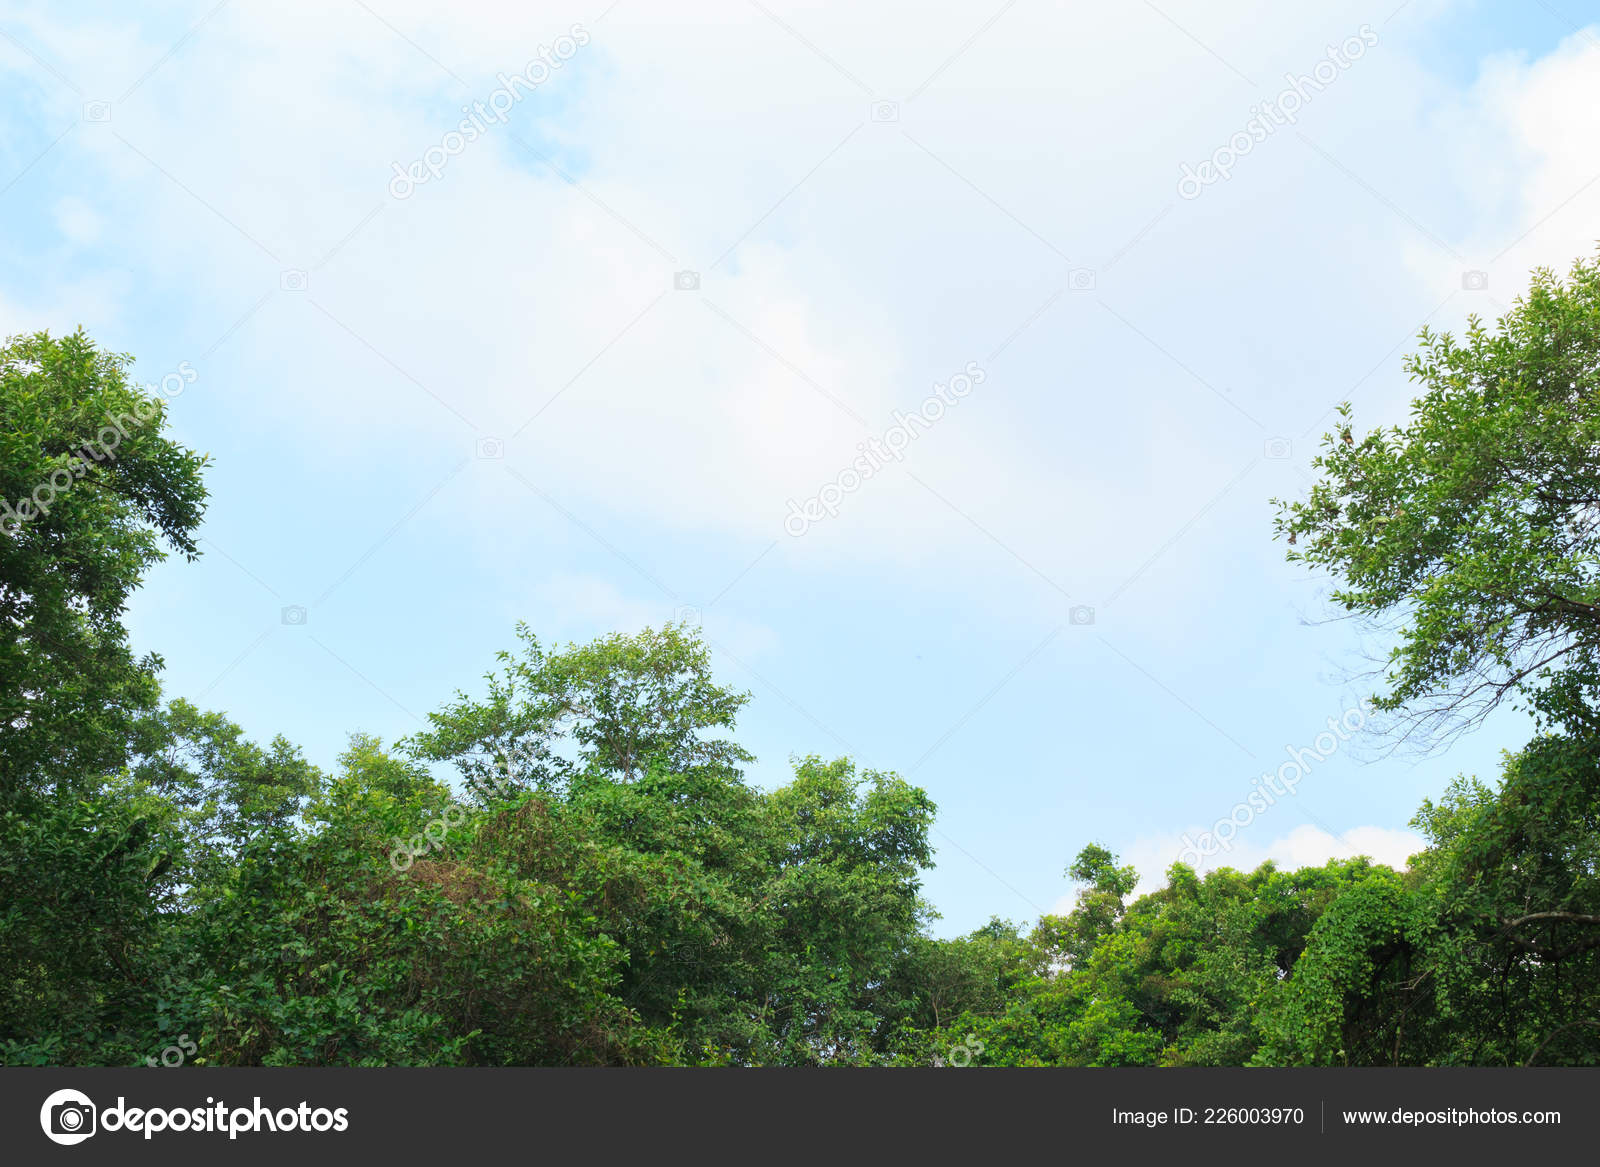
{"points": [[819, 1116]]}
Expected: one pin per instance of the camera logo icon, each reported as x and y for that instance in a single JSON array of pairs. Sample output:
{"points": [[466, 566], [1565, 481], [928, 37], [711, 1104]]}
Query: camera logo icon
{"points": [[293, 280], [97, 111], [1474, 281], [68, 1117], [1277, 449], [686, 281], [1081, 279], [490, 449], [1080, 614], [886, 111], [294, 614]]}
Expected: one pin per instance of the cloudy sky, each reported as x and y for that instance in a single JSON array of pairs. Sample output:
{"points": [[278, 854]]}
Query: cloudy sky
{"points": [[584, 364]]}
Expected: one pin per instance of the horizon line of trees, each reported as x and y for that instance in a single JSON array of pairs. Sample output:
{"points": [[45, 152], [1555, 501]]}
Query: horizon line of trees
{"points": [[601, 885]]}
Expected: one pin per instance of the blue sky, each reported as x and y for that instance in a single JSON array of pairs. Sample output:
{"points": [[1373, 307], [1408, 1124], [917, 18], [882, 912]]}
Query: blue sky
{"points": [[489, 401]]}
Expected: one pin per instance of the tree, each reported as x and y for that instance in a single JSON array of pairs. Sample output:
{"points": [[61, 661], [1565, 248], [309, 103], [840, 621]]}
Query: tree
{"points": [[1099, 905], [620, 704], [1475, 528], [90, 487], [1516, 895], [84, 883], [607, 889], [226, 788], [845, 905], [1475, 531], [1186, 975], [320, 945], [1361, 979], [1487, 952]]}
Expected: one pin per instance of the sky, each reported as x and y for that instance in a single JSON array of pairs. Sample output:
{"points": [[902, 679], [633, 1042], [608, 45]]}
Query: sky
{"points": [[626, 356]]}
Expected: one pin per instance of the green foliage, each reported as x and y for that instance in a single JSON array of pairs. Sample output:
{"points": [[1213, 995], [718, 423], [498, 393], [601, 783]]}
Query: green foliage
{"points": [[224, 788], [612, 707], [83, 882], [677, 917], [1472, 527], [1361, 956], [1471, 530], [1180, 977], [86, 853], [1099, 904], [77, 532], [602, 886], [1098, 868]]}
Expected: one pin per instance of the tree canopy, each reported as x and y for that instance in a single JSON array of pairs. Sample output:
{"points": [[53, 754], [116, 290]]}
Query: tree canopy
{"points": [[571, 866], [1474, 529]]}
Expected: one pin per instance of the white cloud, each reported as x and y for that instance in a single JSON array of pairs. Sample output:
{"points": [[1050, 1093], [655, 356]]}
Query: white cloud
{"points": [[839, 257], [861, 271], [1522, 143]]}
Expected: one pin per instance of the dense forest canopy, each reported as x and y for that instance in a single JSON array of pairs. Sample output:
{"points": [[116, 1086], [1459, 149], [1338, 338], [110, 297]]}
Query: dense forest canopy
{"points": [[598, 883]]}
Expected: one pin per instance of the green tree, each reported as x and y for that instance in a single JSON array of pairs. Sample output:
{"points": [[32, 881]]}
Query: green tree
{"points": [[845, 906], [1471, 529], [1099, 905], [614, 706], [1488, 953], [90, 487], [1183, 976], [321, 945], [84, 883], [225, 788]]}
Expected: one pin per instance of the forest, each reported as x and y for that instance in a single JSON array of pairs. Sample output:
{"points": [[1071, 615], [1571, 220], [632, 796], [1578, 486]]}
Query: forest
{"points": [[569, 865]]}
